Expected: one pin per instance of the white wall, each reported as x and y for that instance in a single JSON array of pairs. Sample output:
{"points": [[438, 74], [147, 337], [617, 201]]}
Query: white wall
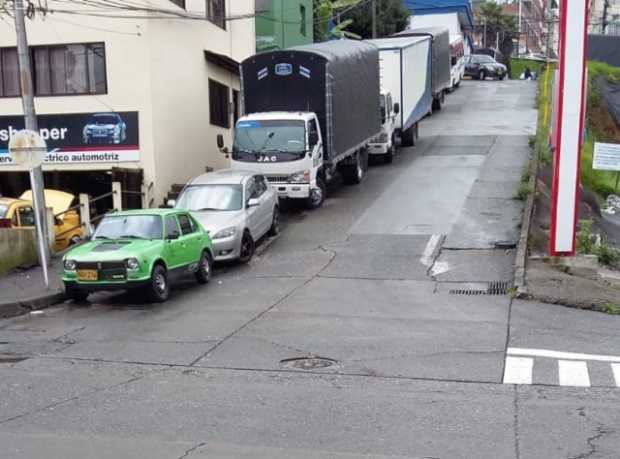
{"points": [[158, 68]]}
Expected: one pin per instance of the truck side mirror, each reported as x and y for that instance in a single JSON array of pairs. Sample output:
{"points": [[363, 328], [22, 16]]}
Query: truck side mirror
{"points": [[382, 115], [220, 141], [396, 108]]}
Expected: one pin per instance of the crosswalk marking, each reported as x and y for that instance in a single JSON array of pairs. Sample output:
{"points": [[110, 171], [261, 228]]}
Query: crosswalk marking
{"points": [[544, 366], [573, 373], [518, 370], [615, 367]]}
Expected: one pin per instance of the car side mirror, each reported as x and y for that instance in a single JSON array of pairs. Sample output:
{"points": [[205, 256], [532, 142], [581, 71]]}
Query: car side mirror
{"points": [[313, 138], [252, 202], [171, 203], [396, 108], [174, 235]]}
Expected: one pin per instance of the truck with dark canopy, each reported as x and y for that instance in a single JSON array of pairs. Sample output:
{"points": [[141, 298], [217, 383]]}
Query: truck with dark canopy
{"points": [[309, 112]]}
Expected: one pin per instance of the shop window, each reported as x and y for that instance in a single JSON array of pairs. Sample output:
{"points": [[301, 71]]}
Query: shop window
{"points": [[302, 23], [9, 73], [218, 104], [216, 12]]}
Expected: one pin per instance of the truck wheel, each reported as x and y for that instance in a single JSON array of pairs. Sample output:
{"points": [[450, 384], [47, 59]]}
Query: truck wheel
{"points": [[158, 289], [317, 195], [389, 156], [205, 268], [408, 137], [353, 174]]}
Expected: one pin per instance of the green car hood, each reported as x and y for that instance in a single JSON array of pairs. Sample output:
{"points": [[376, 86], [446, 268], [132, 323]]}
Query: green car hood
{"points": [[113, 250]]}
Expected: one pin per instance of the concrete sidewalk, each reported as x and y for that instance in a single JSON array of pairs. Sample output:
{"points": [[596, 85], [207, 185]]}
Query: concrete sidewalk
{"points": [[23, 290]]}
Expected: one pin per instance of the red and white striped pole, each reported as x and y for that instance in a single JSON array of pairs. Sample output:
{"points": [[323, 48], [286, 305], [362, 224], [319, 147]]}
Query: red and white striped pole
{"points": [[569, 125]]}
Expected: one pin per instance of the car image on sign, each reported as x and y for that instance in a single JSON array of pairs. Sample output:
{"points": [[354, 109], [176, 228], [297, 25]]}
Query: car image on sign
{"points": [[106, 128]]}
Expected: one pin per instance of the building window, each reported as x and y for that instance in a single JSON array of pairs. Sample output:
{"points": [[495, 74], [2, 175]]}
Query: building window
{"points": [[218, 104], [302, 23], [69, 69], [216, 12], [9, 73]]}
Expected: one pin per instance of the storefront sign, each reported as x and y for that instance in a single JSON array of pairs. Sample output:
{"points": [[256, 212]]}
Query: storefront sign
{"points": [[105, 137], [606, 157]]}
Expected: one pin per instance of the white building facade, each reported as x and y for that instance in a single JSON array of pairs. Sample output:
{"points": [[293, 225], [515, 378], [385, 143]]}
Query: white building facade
{"points": [[138, 100]]}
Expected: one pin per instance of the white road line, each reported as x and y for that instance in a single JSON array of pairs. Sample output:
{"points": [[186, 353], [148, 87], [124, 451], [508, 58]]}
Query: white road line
{"points": [[427, 256], [615, 367], [561, 355], [573, 373], [518, 370]]}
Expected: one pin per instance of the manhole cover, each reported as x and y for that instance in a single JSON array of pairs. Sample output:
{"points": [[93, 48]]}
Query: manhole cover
{"points": [[308, 363]]}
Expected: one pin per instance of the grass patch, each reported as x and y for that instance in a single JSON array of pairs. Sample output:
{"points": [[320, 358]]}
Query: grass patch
{"points": [[517, 67], [611, 308], [600, 127], [589, 243]]}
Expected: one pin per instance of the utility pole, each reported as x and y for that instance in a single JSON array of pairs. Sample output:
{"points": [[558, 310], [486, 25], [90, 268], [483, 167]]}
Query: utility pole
{"points": [[373, 5], [519, 40], [605, 6], [30, 122]]}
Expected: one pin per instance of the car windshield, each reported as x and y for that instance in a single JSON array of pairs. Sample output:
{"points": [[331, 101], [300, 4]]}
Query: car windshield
{"points": [[211, 197], [287, 136], [104, 119], [3, 210], [129, 227], [481, 59]]}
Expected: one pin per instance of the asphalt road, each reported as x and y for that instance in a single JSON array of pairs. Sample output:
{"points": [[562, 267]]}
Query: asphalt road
{"points": [[361, 331]]}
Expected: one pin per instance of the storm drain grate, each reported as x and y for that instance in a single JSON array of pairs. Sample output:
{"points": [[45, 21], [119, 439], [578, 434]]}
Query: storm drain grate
{"points": [[308, 363], [492, 288]]}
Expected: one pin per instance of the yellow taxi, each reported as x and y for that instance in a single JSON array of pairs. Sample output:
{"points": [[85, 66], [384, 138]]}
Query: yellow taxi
{"points": [[19, 213]]}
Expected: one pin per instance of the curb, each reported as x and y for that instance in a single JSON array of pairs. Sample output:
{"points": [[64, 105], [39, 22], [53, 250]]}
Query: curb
{"points": [[521, 258], [19, 307]]}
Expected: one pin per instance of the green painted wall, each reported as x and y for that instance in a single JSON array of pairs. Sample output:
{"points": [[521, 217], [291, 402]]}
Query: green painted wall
{"points": [[280, 24]]}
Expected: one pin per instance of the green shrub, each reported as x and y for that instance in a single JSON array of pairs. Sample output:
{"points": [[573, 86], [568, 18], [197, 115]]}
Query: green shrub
{"points": [[586, 240]]}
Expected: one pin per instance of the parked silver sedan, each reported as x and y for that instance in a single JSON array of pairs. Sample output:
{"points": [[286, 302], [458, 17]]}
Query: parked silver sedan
{"points": [[237, 208]]}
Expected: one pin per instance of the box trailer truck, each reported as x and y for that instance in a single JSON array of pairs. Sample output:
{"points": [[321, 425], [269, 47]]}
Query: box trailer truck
{"points": [[309, 112], [405, 72], [441, 68]]}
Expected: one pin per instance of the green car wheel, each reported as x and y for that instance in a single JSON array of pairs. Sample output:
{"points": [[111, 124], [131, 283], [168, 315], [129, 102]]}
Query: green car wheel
{"points": [[205, 268], [158, 289]]}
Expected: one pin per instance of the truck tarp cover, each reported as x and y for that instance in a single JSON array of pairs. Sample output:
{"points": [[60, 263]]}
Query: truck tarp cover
{"points": [[442, 77], [295, 80], [604, 48]]}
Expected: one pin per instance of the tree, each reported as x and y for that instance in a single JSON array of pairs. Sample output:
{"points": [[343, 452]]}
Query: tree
{"points": [[392, 17], [492, 20], [500, 28], [324, 13]]}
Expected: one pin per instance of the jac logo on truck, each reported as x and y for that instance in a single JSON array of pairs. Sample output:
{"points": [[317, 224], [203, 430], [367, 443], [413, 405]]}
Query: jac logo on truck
{"points": [[284, 69], [267, 159]]}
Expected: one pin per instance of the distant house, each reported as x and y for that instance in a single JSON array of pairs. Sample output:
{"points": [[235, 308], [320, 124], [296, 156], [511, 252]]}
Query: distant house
{"points": [[455, 15], [283, 23]]}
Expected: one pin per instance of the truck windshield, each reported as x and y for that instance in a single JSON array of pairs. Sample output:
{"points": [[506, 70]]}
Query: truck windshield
{"points": [[211, 197], [284, 139], [130, 227]]}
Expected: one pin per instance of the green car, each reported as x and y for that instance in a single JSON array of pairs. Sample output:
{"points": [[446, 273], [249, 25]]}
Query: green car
{"points": [[143, 249]]}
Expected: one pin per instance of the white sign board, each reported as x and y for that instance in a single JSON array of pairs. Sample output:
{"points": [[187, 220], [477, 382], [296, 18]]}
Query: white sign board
{"points": [[27, 148], [568, 126], [606, 157]]}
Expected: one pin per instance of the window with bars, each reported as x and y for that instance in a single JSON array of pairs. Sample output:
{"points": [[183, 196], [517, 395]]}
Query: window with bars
{"points": [[219, 100], [216, 12], [57, 70]]}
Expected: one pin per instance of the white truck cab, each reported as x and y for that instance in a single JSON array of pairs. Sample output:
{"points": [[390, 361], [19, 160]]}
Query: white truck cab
{"points": [[384, 144], [287, 148]]}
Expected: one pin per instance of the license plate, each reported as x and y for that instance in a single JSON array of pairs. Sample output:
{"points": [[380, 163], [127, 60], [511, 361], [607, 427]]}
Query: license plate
{"points": [[87, 274]]}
